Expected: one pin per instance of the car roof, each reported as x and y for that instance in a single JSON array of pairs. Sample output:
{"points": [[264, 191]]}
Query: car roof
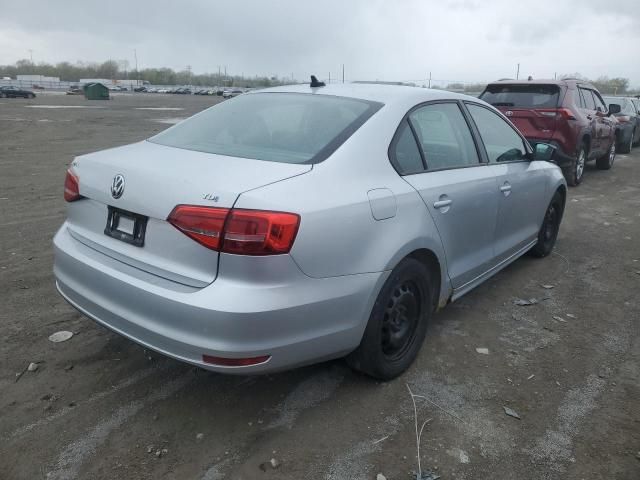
{"points": [[372, 92], [543, 81]]}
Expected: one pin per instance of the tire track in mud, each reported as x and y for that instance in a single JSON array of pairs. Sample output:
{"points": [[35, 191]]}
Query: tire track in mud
{"points": [[77, 452]]}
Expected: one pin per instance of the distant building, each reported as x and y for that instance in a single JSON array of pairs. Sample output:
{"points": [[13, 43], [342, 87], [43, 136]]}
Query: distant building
{"points": [[109, 83], [37, 78]]}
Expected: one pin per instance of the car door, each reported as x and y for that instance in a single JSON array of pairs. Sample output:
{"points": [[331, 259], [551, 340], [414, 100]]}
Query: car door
{"points": [[589, 110], [458, 190], [605, 125], [521, 182]]}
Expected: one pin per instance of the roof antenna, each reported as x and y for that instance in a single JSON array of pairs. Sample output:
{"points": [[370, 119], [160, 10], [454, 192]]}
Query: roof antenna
{"points": [[315, 83]]}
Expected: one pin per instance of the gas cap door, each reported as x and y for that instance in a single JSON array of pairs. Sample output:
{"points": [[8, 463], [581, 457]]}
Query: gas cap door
{"points": [[383, 203]]}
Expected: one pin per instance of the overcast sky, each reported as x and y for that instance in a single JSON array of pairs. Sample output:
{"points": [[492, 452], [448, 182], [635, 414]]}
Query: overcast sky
{"points": [[457, 40]]}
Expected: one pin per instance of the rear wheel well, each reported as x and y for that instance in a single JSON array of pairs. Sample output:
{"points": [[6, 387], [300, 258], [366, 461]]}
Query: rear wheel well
{"points": [[430, 260], [586, 141]]}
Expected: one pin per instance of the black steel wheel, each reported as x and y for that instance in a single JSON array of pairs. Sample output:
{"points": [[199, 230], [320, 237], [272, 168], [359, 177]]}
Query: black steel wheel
{"points": [[548, 233], [398, 322]]}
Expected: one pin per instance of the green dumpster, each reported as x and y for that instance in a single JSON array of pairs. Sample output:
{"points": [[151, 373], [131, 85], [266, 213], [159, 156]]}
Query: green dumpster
{"points": [[96, 91]]}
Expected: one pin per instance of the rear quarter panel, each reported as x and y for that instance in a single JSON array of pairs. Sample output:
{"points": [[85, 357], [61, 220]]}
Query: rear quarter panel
{"points": [[338, 234]]}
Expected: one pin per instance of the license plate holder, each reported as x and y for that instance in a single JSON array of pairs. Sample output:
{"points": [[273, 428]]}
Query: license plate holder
{"points": [[126, 226]]}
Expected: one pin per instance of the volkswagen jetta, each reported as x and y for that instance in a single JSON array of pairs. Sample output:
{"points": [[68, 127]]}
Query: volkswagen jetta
{"points": [[299, 224]]}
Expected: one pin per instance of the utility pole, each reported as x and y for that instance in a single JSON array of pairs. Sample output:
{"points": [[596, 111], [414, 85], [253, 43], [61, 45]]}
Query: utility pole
{"points": [[555, 75], [135, 56], [31, 55], [429, 79], [343, 73], [329, 77], [518, 72], [225, 75]]}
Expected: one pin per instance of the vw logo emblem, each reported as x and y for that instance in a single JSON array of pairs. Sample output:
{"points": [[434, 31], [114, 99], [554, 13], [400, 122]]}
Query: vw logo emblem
{"points": [[508, 113], [117, 186]]}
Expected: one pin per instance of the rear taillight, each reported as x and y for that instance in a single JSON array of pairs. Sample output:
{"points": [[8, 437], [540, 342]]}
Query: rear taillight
{"points": [[242, 232], [254, 232], [623, 119], [71, 187], [203, 224], [565, 113]]}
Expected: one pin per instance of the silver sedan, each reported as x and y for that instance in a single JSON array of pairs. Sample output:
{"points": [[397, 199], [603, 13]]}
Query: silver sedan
{"points": [[298, 224]]}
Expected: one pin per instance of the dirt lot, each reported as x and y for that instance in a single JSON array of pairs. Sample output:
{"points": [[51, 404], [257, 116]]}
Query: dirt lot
{"points": [[100, 407]]}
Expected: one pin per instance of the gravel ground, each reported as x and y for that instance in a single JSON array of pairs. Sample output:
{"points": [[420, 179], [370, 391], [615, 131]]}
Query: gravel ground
{"points": [[101, 407]]}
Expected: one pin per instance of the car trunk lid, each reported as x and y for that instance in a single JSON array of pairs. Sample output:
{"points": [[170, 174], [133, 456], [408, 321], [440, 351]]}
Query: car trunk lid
{"points": [[156, 179]]}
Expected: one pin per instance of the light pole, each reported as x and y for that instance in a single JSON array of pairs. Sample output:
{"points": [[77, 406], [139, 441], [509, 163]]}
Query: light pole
{"points": [[135, 56]]}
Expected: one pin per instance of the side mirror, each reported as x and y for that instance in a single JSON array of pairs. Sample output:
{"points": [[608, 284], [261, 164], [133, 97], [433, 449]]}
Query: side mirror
{"points": [[544, 152], [614, 108]]}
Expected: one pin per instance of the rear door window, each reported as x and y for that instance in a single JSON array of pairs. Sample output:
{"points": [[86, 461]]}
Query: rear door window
{"points": [[588, 99], [500, 140], [522, 96], [600, 106], [444, 136], [580, 99]]}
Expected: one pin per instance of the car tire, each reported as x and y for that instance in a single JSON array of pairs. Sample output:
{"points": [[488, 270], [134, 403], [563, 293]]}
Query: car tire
{"points": [[574, 173], [605, 162], [398, 322], [627, 146], [548, 232]]}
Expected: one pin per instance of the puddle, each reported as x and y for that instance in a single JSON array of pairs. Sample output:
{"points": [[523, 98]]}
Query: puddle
{"points": [[63, 106], [159, 108], [170, 121]]}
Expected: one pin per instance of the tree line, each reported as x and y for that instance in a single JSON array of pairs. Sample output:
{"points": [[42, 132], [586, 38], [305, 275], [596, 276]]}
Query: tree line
{"points": [[119, 70]]}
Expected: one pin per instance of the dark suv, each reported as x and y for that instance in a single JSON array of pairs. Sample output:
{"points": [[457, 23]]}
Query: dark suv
{"points": [[569, 114]]}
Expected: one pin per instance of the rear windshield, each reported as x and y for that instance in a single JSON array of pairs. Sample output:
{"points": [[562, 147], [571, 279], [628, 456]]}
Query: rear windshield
{"points": [[278, 127], [522, 96]]}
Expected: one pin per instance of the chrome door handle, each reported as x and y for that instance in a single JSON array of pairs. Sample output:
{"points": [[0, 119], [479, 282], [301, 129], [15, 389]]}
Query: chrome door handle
{"points": [[442, 203], [505, 188]]}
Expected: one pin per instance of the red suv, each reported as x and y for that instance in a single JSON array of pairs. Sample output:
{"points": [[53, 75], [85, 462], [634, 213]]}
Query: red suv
{"points": [[569, 114]]}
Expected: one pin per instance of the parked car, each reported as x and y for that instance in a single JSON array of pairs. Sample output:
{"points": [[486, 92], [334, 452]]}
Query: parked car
{"points": [[569, 114], [232, 93], [273, 241], [628, 130], [140, 89], [74, 90], [15, 92]]}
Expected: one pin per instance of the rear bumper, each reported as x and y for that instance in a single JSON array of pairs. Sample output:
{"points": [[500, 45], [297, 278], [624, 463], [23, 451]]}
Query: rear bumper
{"points": [[293, 318]]}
